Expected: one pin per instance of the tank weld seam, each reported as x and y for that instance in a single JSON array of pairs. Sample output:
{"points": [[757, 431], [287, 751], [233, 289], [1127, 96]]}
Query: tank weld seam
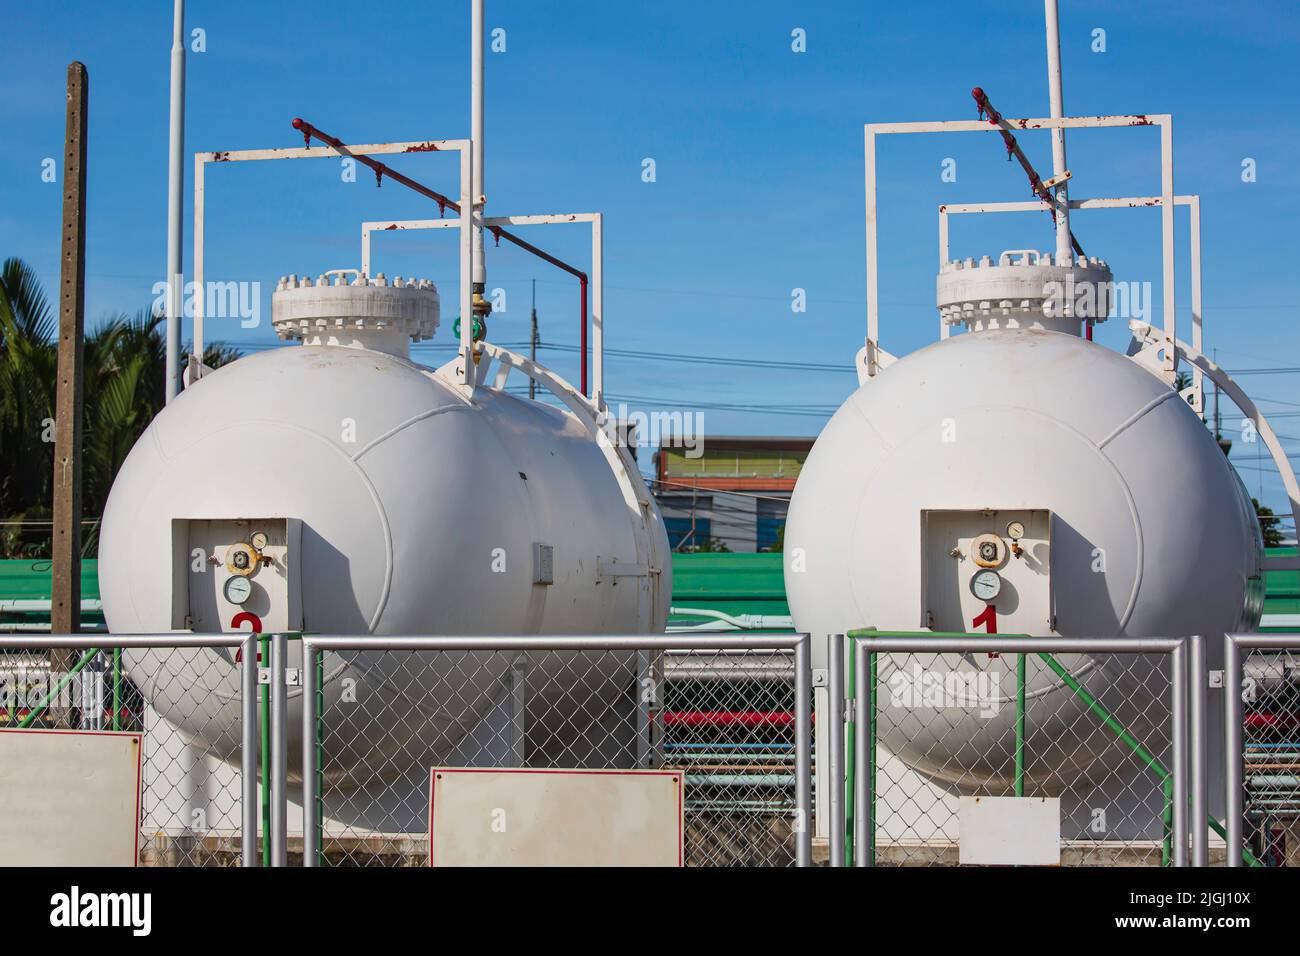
{"points": [[429, 413], [1137, 416]]}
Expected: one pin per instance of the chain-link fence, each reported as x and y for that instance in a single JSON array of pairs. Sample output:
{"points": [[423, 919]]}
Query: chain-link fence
{"points": [[732, 713], [183, 695], [1263, 732], [941, 719]]}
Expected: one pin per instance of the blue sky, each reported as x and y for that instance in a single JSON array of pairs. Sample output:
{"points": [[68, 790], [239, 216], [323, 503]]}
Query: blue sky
{"points": [[758, 154]]}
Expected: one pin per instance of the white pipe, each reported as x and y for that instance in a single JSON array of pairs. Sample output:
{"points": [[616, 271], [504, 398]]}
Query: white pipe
{"points": [[175, 194], [476, 134], [1064, 249]]}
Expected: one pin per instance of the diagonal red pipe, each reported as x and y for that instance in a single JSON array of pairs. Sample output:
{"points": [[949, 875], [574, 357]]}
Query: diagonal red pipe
{"points": [[446, 202]]}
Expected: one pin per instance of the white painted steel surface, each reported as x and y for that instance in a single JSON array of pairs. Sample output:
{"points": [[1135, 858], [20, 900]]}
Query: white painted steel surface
{"points": [[400, 528], [1037, 420]]}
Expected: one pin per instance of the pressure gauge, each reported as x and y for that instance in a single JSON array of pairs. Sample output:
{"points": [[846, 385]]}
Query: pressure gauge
{"points": [[238, 589], [988, 551], [242, 559], [1015, 531], [258, 541], [986, 585]]}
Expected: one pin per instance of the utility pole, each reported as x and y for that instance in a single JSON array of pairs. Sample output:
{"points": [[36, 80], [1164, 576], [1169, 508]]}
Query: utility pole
{"points": [[65, 604], [175, 196], [532, 349]]}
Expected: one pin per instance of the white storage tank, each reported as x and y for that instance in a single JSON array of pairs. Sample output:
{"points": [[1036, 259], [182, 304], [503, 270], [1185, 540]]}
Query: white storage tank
{"points": [[1022, 468], [338, 487]]}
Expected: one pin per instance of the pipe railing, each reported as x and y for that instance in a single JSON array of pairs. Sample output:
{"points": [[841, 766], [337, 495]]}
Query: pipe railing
{"points": [[867, 643], [246, 644], [309, 131], [312, 698]]}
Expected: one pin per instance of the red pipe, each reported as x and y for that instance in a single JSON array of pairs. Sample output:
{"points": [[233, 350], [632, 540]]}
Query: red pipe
{"points": [[446, 202], [728, 718], [1013, 149]]}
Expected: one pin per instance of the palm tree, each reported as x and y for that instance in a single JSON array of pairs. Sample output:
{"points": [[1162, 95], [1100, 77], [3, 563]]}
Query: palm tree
{"points": [[124, 388]]}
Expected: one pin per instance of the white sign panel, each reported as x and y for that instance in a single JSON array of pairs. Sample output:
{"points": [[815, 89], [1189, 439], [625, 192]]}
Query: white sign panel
{"points": [[480, 817], [1010, 831], [69, 798]]}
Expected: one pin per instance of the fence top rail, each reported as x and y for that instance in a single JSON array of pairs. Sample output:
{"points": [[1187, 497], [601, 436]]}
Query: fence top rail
{"points": [[1013, 645], [109, 641], [722, 641], [1260, 641]]}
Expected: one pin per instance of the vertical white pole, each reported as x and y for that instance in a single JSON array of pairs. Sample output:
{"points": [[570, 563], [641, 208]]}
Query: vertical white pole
{"points": [[199, 160], [943, 260], [365, 249], [1197, 378], [1064, 249], [175, 195], [476, 133], [873, 329], [466, 263], [597, 313], [1167, 242]]}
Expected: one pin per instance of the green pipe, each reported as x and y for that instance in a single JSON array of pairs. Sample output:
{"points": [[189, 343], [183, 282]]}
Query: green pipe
{"points": [[117, 688], [850, 759], [1165, 776], [1020, 725], [1167, 820], [264, 707], [872, 673], [1105, 716], [54, 692]]}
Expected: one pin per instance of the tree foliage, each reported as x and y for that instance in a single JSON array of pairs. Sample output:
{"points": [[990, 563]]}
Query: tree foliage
{"points": [[124, 387]]}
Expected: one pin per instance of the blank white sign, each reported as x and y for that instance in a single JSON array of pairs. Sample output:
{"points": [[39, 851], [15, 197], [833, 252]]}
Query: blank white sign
{"points": [[555, 817], [1010, 831], [69, 798]]}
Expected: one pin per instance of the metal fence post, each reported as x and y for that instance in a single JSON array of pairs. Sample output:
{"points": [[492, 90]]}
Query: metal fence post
{"points": [[835, 737], [519, 711], [310, 796], [862, 741], [803, 751], [279, 752], [248, 755], [1200, 784], [645, 704], [1178, 762], [1232, 747]]}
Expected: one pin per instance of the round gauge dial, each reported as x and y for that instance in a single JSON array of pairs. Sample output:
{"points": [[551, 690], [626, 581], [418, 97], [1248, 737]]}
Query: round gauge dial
{"points": [[258, 541], [986, 584], [1015, 531], [241, 559], [238, 590]]}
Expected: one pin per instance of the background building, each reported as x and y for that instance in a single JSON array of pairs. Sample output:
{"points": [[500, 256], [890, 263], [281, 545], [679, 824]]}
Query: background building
{"points": [[728, 492]]}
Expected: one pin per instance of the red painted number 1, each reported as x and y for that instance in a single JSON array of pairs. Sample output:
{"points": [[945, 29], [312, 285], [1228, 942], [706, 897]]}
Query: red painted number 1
{"points": [[989, 618]]}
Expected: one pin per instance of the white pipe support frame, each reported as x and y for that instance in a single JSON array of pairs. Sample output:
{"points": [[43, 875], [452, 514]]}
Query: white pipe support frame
{"points": [[597, 276], [1197, 392], [1152, 339], [1162, 121], [462, 146]]}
